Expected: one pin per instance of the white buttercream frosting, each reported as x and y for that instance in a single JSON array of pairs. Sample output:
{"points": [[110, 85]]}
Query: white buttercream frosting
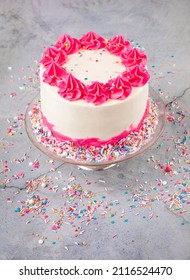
{"points": [[94, 65]]}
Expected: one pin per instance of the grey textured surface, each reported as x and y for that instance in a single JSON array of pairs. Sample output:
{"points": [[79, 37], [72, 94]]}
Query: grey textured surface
{"points": [[154, 231]]}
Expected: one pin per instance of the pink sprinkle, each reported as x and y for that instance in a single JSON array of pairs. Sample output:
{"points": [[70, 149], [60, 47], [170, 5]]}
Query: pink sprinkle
{"points": [[150, 217], [12, 94], [36, 164], [54, 227]]}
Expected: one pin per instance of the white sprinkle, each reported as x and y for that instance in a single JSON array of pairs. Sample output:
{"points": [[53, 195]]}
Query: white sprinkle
{"points": [[40, 241], [171, 205], [43, 185], [101, 181]]}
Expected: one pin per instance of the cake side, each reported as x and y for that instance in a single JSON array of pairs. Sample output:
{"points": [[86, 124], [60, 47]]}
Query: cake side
{"points": [[79, 119]]}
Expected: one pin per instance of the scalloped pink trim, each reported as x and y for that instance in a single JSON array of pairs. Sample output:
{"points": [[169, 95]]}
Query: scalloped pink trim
{"points": [[92, 41], [71, 89], [54, 73], [118, 45], [53, 55], [68, 44], [137, 75], [119, 88], [97, 93], [134, 57]]}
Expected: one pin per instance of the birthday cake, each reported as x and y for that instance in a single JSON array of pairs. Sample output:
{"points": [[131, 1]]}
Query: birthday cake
{"points": [[94, 91]]}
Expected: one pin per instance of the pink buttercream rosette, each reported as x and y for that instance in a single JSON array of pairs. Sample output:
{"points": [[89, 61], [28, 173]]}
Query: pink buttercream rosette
{"points": [[71, 88], [92, 41]]}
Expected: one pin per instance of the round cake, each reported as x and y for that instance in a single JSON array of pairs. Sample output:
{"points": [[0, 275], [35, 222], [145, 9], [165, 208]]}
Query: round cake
{"points": [[94, 91]]}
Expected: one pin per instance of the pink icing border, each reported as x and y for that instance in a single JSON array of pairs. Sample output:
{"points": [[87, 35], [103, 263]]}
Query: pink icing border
{"points": [[93, 141], [117, 45]]}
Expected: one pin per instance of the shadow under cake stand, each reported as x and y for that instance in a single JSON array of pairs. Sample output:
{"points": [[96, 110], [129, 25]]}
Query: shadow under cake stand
{"points": [[103, 164]]}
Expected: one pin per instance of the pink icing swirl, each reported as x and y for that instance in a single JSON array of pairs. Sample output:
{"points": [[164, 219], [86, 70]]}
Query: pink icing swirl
{"points": [[119, 88], [97, 93], [68, 44], [71, 88], [133, 57], [137, 75], [92, 41], [53, 74], [118, 45], [53, 54]]}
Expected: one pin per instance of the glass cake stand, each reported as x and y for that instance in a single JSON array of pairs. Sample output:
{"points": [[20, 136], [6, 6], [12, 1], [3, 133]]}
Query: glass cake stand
{"points": [[104, 164]]}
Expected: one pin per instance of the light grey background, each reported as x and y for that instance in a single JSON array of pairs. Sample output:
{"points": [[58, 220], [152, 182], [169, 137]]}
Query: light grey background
{"points": [[163, 29]]}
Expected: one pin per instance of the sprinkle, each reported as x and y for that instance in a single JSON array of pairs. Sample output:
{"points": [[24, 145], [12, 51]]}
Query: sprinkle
{"points": [[101, 181], [150, 217], [168, 168]]}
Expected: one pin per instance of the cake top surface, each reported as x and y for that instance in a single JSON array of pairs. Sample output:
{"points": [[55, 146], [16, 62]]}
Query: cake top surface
{"points": [[93, 68], [94, 65]]}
